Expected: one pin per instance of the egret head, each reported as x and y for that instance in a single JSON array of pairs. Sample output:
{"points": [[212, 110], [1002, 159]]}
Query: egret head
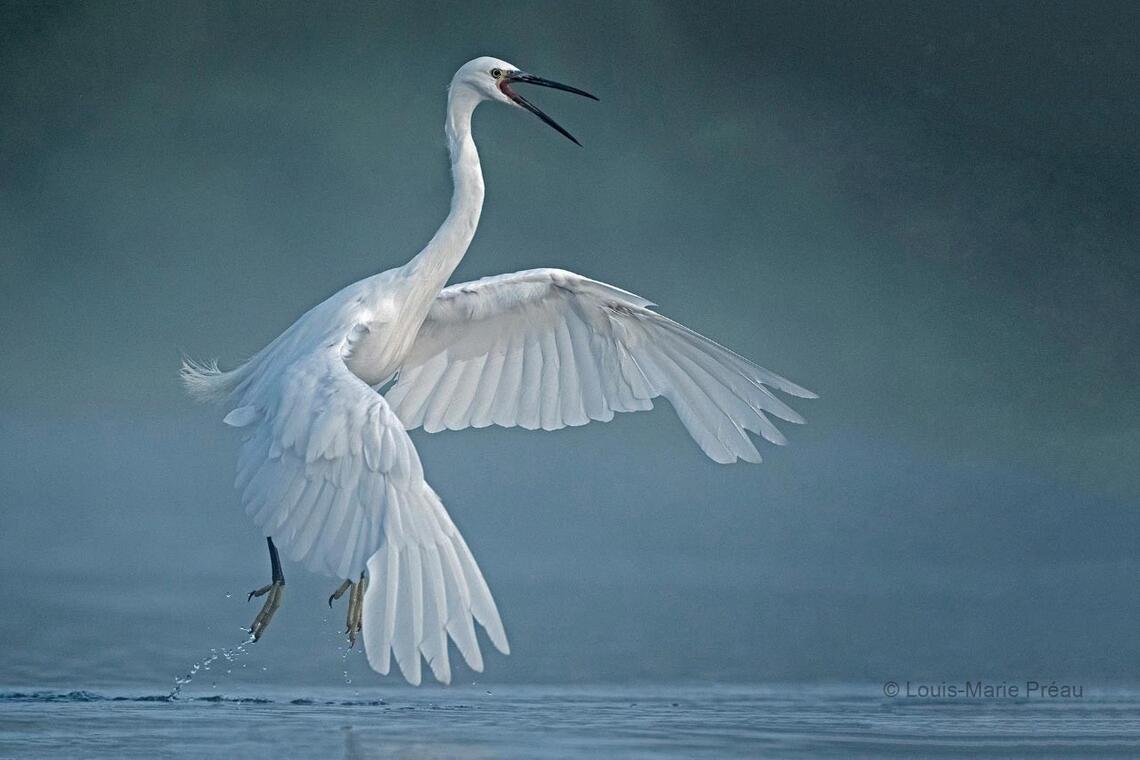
{"points": [[494, 79]]}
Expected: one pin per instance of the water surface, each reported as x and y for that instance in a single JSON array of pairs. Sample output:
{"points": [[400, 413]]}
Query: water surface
{"points": [[554, 721]]}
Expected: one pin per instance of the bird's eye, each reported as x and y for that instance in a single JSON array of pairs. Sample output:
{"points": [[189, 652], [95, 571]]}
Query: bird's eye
{"points": [[497, 73]]}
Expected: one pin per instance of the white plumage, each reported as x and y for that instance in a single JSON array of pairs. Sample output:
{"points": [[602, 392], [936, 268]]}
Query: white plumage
{"points": [[327, 468], [548, 348]]}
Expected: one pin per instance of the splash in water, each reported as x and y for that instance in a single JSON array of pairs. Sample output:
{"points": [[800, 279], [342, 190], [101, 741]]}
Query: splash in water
{"points": [[227, 654]]}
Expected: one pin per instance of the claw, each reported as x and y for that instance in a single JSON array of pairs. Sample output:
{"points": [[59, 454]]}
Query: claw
{"points": [[259, 592], [339, 592]]}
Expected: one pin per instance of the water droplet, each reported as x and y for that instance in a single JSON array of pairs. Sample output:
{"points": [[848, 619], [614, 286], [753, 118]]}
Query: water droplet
{"points": [[229, 654]]}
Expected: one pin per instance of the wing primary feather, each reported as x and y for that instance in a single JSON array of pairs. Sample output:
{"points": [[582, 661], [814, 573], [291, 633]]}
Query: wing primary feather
{"points": [[593, 395], [404, 646], [377, 647], [458, 414], [460, 624], [719, 403], [435, 616], [550, 390], [437, 404], [489, 382], [569, 377], [482, 605], [530, 397]]}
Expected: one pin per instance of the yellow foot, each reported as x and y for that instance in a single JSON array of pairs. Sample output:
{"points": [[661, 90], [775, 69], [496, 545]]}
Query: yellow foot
{"points": [[275, 591], [353, 623]]}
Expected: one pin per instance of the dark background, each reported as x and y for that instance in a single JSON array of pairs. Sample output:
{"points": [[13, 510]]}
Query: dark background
{"points": [[926, 212]]}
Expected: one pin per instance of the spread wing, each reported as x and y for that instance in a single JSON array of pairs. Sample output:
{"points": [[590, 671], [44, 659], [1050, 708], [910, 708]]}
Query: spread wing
{"points": [[548, 348], [328, 470]]}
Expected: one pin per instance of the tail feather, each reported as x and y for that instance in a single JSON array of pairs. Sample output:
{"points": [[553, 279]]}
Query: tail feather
{"points": [[204, 381]]}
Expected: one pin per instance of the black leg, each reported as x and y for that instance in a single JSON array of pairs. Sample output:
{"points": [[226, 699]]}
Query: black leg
{"points": [[275, 590], [275, 562]]}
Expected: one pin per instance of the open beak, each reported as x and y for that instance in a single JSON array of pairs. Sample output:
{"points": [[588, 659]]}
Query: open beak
{"points": [[517, 77]]}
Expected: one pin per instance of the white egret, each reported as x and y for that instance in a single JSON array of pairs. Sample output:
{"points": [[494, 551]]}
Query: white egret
{"points": [[327, 469]]}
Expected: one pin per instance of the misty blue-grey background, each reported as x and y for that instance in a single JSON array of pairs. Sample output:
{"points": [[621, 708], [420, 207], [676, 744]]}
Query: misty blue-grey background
{"points": [[925, 212]]}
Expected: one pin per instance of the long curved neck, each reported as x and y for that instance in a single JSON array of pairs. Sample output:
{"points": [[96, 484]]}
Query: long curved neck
{"points": [[434, 264]]}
